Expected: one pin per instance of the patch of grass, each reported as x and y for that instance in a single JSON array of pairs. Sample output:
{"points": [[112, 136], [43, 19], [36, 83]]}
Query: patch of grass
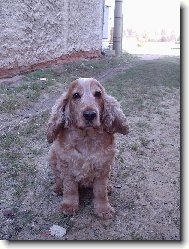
{"points": [[144, 141], [130, 204], [31, 128], [22, 167], [124, 174], [143, 125], [8, 140], [42, 73], [24, 148], [136, 236], [154, 73], [142, 87], [35, 128], [18, 149], [135, 146], [162, 113], [12, 144], [14, 97], [120, 160], [91, 68], [36, 151], [120, 156], [11, 104], [8, 157]]}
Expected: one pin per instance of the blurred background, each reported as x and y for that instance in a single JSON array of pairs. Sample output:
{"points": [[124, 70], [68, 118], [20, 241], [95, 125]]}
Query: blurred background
{"points": [[149, 26]]}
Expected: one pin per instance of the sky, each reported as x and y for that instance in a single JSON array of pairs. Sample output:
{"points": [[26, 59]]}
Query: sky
{"points": [[151, 15]]}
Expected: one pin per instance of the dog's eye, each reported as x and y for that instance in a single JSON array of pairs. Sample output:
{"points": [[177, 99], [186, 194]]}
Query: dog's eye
{"points": [[97, 94], [76, 96]]}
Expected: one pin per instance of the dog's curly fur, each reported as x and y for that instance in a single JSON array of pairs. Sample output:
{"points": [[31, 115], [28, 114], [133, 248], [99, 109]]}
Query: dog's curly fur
{"points": [[81, 127]]}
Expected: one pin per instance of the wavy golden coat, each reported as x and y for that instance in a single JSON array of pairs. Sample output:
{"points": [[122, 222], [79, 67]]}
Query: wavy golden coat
{"points": [[81, 127]]}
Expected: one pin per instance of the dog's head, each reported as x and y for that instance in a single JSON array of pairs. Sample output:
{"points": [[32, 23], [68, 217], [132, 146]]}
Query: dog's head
{"points": [[86, 105]]}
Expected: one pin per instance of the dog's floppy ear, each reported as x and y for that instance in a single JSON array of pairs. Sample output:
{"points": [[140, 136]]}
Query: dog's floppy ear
{"points": [[113, 118], [59, 118]]}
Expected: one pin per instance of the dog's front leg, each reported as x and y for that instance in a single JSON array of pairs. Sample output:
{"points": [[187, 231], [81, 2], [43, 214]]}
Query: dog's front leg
{"points": [[101, 203], [70, 204]]}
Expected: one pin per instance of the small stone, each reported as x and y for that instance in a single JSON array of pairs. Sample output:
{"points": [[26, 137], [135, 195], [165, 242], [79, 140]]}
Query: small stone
{"points": [[57, 231], [43, 79]]}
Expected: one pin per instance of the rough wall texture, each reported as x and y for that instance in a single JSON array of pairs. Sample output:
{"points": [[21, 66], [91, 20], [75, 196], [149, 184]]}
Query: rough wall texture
{"points": [[35, 32]]}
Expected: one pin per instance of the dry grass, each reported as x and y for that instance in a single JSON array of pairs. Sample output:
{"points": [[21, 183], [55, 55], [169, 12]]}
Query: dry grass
{"points": [[146, 173]]}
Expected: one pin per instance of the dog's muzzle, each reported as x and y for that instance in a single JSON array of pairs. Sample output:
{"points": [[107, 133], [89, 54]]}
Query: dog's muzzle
{"points": [[89, 115]]}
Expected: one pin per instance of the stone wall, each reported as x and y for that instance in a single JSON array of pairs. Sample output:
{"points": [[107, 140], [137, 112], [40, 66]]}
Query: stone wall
{"points": [[36, 33]]}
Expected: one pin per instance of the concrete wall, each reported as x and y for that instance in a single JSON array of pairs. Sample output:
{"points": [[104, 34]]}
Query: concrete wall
{"points": [[38, 32]]}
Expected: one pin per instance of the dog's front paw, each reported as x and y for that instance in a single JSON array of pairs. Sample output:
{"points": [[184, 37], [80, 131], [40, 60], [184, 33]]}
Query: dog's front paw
{"points": [[68, 208], [105, 211]]}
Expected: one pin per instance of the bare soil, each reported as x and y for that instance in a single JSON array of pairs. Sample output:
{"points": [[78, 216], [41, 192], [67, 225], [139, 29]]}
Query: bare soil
{"points": [[146, 174]]}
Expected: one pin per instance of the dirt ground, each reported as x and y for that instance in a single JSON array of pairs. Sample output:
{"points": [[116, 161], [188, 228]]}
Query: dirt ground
{"points": [[146, 174]]}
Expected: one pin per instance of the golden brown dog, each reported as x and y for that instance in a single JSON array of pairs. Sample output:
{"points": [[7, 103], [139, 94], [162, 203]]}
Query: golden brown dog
{"points": [[81, 127]]}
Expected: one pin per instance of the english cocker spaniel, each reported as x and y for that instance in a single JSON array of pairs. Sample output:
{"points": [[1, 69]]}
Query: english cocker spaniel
{"points": [[81, 127]]}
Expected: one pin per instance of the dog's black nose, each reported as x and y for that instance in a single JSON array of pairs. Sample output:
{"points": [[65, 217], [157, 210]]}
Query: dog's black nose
{"points": [[89, 115]]}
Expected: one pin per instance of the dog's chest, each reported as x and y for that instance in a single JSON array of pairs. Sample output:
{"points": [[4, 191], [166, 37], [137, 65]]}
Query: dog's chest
{"points": [[90, 144], [88, 156], [86, 143]]}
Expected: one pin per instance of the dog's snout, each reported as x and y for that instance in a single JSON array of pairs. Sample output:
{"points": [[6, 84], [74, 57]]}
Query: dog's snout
{"points": [[89, 115]]}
